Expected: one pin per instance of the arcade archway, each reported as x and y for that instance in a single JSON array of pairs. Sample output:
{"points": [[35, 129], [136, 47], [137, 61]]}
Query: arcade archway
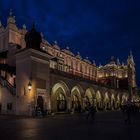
{"points": [[59, 97], [89, 100], [98, 100], [124, 99], [106, 101], [76, 99]]}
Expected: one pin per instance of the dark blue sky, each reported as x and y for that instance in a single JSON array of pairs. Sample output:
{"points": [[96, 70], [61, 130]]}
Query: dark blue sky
{"points": [[96, 28]]}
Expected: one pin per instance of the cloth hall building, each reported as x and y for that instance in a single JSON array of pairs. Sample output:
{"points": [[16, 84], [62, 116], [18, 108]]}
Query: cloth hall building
{"points": [[34, 72]]}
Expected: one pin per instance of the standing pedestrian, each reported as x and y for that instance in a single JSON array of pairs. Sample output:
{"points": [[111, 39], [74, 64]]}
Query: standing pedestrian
{"points": [[91, 113]]}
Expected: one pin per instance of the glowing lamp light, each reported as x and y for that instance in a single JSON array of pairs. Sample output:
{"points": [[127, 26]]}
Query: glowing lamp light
{"points": [[29, 86]]}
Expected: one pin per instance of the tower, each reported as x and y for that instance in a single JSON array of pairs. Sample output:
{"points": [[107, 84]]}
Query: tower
{"points": [[32, 75], [131, 74]]}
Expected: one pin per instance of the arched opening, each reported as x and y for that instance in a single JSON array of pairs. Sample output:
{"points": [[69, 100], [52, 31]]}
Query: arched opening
{"points": [[88, 98], [59, 97], [76, 99], [61, 102], [87, 101], [124, 99], [106, 101], [40, 103], [98, 100]]}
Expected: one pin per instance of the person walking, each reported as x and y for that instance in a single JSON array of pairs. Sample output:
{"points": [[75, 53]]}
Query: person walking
{"points": [[91, 113]]}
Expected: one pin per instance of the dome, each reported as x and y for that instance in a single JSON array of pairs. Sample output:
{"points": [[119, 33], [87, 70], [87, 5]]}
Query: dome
{"points": [[33, 39]]}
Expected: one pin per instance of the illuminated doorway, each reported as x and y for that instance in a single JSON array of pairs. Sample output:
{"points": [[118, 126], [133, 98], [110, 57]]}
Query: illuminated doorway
{"points": [[40, 103]]}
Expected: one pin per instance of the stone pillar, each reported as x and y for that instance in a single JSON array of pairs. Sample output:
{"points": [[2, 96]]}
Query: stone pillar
{"points": [[117, 83], [83, 103], [69, 104], [47, 102], [105, 105]]}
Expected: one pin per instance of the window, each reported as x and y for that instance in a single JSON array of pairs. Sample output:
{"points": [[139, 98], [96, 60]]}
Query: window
{"points": [[9, 106]]}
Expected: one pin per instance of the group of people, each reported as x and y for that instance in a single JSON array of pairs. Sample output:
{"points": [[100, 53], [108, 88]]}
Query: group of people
{"points": [[91, 110], [129, 111]]}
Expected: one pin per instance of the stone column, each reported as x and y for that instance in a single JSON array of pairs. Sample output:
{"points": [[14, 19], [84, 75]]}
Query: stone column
{"points": [[83, 103], [69, 104]]}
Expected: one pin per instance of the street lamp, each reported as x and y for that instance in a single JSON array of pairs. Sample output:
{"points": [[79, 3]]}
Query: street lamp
{"points": [[29, 86]]}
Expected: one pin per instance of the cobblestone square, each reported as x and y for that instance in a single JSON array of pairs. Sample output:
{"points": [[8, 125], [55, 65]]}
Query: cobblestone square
{"points": [[107, 126]]}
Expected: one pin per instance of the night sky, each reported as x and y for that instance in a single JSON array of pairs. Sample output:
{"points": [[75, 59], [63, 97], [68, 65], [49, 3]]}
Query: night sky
{"points": [[98, 29]]}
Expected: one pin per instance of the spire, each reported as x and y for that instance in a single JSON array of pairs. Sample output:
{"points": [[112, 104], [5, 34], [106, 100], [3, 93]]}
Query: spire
{"points": [[67, 48], [112, 58], [24, 26], [11, 18], [87, 60], [78, 53], [100, 65], [55, 42], [131, 53], [118, 61], [131, 72], [10, 12], [130, 58]]}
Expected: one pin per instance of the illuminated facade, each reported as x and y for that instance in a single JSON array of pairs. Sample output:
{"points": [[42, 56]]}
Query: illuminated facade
{"points": [[34, 72]]}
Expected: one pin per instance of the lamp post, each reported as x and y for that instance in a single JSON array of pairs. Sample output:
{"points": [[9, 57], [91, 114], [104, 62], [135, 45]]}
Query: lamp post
{"points": [[29, 86]]}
